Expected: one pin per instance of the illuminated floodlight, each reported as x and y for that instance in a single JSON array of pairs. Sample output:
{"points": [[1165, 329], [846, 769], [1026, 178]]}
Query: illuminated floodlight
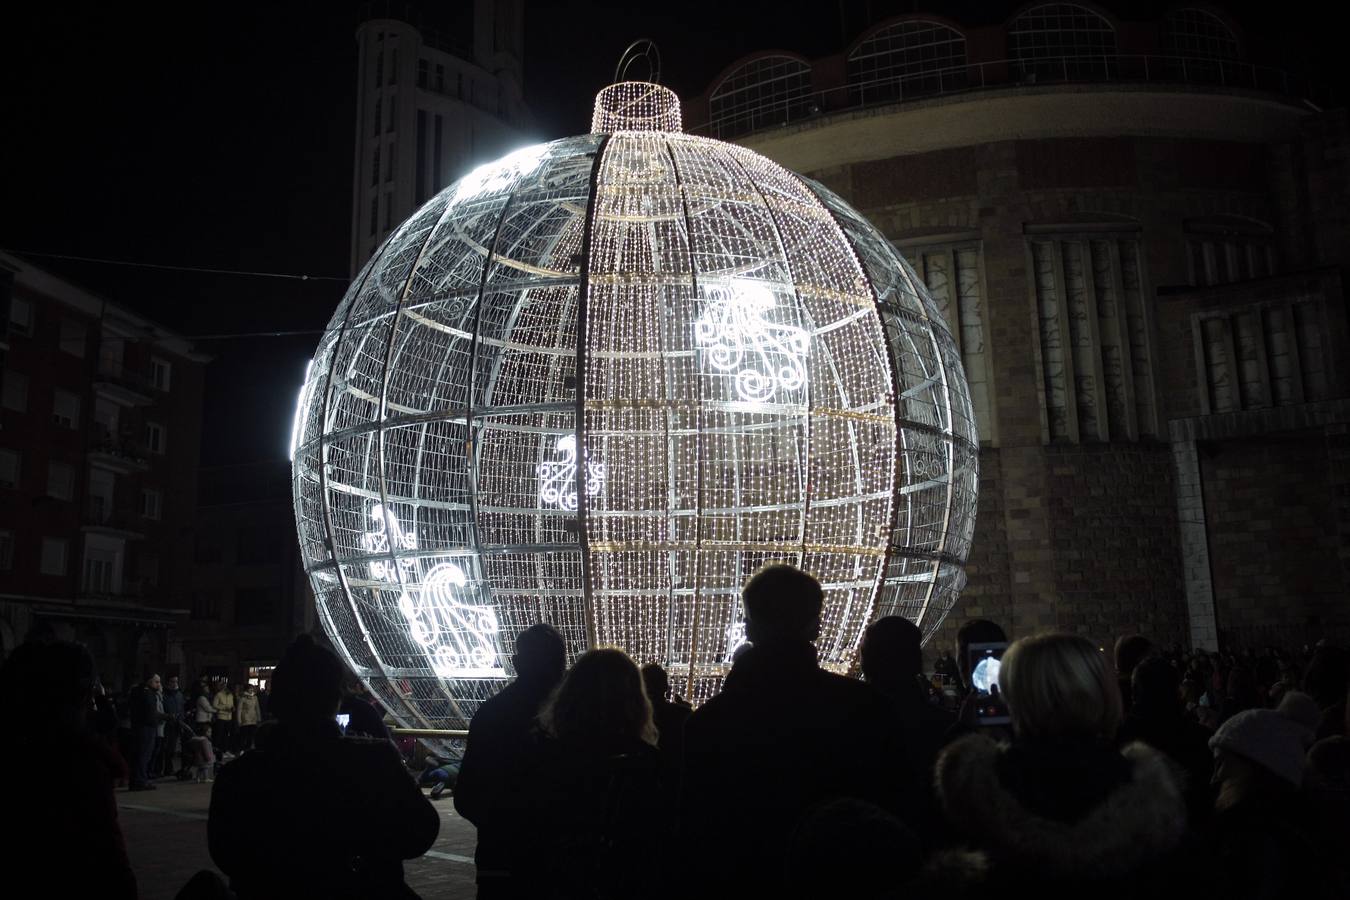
{"points": [[599, 383]]}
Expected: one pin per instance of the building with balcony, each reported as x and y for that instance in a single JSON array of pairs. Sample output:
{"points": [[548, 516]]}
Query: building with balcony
{"points": [[100, 433], [430, 105], [1138, 236]]}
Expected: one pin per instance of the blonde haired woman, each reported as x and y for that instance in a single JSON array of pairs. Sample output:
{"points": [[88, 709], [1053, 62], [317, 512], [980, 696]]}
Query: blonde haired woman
{"points": [[600, 807], [1061, 804]]}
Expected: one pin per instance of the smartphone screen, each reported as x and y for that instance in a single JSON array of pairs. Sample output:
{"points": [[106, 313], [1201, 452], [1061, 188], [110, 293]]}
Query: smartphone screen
{"points": [[985, 661], [343, 720]]}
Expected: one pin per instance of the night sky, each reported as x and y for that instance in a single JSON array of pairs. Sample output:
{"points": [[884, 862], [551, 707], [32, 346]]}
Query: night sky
{"points": [[223, 138]]}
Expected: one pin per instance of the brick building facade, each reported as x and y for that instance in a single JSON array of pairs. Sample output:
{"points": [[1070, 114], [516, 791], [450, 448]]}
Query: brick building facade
{"points": [[100, 433], [1138, 237]]}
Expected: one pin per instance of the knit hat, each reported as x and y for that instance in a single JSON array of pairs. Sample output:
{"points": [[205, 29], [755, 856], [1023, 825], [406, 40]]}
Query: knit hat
{"points": [[1273, 739]]}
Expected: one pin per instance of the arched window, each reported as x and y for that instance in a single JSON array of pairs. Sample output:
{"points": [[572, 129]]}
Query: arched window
{"points": [[906, 59], [1199, 46], [1061, 41], [1198, 33], [769, 90]]}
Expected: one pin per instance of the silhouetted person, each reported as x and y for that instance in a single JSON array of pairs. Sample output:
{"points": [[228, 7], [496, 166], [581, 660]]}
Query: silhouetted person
{"points": [[249, 717], [892, 661], [1327, 680], [1130, 651], [1326, 786], [783, 736], [668, 715], [600, 814], [1158, 718], [343, 813], [174, 703], [147, 715], [1263, 828], [501, 752], [61, 830], [1059, 811]]}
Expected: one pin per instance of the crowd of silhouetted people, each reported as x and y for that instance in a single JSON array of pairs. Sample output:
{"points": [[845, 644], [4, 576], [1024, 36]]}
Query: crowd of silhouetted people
{"points": [[1116, 772]]}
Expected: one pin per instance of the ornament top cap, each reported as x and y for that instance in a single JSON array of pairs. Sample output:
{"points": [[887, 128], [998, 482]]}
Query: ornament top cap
{"points": [[636, 106]]}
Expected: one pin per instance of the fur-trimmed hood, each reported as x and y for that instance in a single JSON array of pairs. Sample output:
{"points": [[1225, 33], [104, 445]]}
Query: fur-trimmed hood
{"points": [[1138, 822]]}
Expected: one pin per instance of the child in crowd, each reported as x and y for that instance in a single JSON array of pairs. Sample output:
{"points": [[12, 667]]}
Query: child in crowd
{"points": [[201, 754]]}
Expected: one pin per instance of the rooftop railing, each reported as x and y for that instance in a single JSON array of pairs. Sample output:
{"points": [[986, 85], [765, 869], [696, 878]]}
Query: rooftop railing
{"points": [[1009, 73]]}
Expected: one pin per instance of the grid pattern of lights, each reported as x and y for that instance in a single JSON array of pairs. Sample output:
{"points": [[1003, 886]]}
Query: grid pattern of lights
{"points": [[599, 383]]}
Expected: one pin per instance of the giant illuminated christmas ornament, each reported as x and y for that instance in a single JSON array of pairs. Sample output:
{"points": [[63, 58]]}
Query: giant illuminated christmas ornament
{"points": [[601, 381]]}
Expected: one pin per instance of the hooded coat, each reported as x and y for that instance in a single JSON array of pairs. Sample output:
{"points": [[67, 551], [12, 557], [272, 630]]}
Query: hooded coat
{"points": [[1068, 820]]}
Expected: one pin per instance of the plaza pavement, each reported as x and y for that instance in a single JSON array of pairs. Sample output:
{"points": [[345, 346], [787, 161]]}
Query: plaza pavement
{"points": [[165, 831]]}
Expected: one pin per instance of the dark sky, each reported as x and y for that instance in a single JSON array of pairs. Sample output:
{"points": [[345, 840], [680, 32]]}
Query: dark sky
{"points": [[222, 137]]}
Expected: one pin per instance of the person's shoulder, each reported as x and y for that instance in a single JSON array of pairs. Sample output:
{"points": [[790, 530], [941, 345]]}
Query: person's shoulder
{"points": [[844, 693]]}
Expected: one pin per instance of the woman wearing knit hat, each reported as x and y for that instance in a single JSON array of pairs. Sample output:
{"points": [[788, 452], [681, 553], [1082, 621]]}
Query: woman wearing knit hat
{"points": [[1262, 835]]}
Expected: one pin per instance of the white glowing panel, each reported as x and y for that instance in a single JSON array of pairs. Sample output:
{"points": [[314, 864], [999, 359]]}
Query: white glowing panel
{"points": [[598, 384], [558, 477]]}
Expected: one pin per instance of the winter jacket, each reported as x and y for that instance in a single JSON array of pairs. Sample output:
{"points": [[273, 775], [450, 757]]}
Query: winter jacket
{"points": [[64, 830], [173, 705], [597, 823], [501, 752], [1069, 820], [203, 710], [783, 736], [347, 843], [224, 704], [143, 707], [248, 710]]}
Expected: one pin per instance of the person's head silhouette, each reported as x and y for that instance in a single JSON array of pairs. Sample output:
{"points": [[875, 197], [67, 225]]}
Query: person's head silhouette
{"points": [[540, 656], [601, 704], [891, 653], [48, 684], [782, 606], [655, 680], [308, 684]]}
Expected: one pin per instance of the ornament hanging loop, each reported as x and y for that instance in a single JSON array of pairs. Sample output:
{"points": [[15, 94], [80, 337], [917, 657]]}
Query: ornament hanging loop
{"points": [[644, 49]]}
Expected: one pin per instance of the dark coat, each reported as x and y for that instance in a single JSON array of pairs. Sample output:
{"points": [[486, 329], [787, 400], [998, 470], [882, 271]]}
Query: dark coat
{"points": [[925, 729], [598, 822], [783, 737], [62, 828], [173, 704], [1270, 847], [502, 749], [1068, 821], [142, 708], [341, 815], [670, 719], [1186, 743]]}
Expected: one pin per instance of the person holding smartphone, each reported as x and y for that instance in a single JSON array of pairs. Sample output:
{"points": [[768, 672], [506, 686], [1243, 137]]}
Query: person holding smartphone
{"points": [[1061, 803]]}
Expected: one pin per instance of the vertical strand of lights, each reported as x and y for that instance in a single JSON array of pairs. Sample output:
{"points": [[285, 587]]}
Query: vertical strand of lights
{"points": [[583, 299]]}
